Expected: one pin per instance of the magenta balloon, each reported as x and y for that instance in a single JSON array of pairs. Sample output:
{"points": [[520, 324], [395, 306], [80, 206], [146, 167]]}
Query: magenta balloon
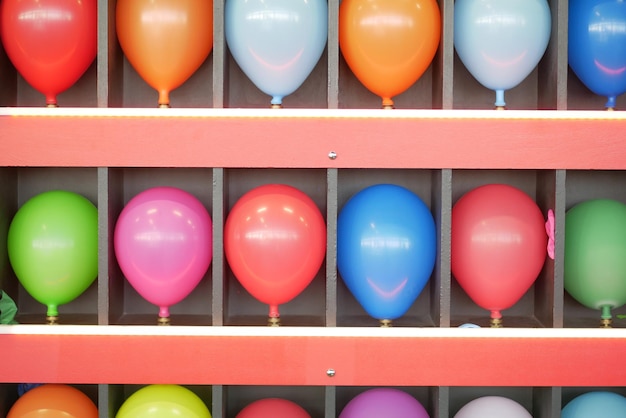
{"points": [[384, 402], [163, 244]]}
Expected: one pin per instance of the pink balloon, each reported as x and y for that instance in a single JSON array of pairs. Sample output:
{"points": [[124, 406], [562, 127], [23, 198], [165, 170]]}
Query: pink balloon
{"points": [[384, 402], [163, 244]]}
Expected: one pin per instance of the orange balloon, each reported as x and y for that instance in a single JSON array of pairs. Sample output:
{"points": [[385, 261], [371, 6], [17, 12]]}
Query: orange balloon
{"points": [[389, 44], [166, 41], [54, 401]]}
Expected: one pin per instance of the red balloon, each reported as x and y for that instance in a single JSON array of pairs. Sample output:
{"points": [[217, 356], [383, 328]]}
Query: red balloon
{"points": [[273, 408], [498, 245], [50, 42], [275, 242]]}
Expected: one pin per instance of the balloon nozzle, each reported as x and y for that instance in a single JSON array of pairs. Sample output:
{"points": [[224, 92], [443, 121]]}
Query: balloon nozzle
{"points": [[51, 105], [496, 323], [610, 109], [273, 321], [388, 107], [163, 320], [385, 323], [52, 319], [606, 323], [276, 106], [500, 108], [164, 105]]}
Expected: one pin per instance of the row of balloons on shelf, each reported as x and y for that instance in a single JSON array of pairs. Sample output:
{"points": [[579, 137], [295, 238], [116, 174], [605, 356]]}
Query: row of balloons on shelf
{"points": [[275, 241], [170, 401], [388, 45]]}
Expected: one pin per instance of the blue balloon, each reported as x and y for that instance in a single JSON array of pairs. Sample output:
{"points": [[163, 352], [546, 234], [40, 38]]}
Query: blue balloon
{"points": [[501, 42], [597, 46], [386, 248], [596, 404], [277, 43]]}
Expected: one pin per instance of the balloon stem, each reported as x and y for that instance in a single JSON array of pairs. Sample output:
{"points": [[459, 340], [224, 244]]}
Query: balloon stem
{"points": [[385, 323], [610, 103], [276, 102], [52, 320], [496, 319], [273, 319], [164, 99], [606, 317], [500, 103], [51, 101], [164, 315], [387, 103]]}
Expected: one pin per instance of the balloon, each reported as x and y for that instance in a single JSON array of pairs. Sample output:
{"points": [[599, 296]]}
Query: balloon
{"points": [[388, 45], [384, 402], [386, 248], [163, 244], [165, 41], [163, 401], [597, 46], [54, 401], [275, 242], [273, 408], [53, 247], [596, 404], [595, 254], [493, 407], [498, 245], [50, 42], [277, 43], [501, 41]]}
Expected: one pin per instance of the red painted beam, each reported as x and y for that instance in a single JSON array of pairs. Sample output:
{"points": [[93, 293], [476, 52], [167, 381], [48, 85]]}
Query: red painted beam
{"points": [[364, 139], [386, 360]]}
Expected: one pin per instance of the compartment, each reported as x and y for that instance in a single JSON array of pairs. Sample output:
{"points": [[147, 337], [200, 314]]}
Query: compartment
{"points": [[426, 184], [125, 304], [18, 186], [309, 307], [543, 88], [310, 398], [539, 306], [582, 186]]}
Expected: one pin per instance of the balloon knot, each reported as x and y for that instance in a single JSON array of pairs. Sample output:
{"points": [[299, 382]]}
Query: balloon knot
{"points": [[550, 231]]}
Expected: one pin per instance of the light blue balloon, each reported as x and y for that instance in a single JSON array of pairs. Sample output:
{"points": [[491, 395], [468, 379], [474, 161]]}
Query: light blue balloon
{"points": [[596, 404], [597, 45], [277, 43], [386, 248], [501, 42]]}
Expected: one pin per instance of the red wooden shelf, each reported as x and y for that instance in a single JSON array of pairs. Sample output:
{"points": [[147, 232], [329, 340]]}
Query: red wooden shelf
{"points": [[304, 138], [302, 356]]}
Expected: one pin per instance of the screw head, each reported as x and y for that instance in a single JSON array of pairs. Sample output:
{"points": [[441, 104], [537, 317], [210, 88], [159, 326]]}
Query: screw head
{"points": [[330, 372], [332, 155]]}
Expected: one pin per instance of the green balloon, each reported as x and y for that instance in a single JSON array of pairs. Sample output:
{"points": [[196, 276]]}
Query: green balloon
{"points": [[595, 254], [163, 401], [53, 247]]}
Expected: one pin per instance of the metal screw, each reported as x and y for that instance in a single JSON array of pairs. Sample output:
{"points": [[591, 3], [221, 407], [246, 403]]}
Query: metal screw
{"points": [[332, 155], [330, 372]]}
